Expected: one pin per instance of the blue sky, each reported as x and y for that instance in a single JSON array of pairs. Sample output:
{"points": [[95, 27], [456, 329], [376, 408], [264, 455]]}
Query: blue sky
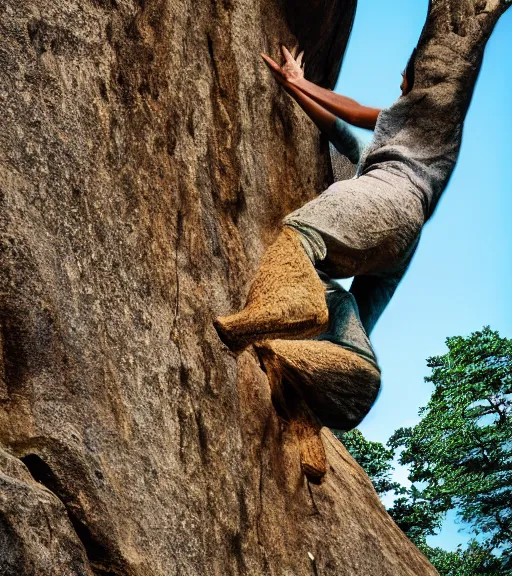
{"points": [[461, 277]]}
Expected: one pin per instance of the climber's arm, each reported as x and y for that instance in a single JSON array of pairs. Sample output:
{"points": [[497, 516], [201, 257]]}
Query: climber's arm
{"points": [[291, 73], [325, 121], [343, 107]]}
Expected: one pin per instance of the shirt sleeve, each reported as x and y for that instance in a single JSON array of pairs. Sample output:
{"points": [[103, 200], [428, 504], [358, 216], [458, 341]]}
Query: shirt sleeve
{"points": [[345, 142]]}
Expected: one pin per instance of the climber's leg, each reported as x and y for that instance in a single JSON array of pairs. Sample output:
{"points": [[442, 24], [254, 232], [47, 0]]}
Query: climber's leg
{"points": [[315, 383], [286, 298], [367, 224], [338, 385], [363, 226], [332, 380]]}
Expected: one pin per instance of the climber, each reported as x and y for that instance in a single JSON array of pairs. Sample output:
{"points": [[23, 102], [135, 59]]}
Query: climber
{"points": [[368, 227], [336, 373], [335, 370], [367, 231], [330, 112]]}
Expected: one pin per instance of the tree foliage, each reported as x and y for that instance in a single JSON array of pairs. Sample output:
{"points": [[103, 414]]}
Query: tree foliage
{"points": [[416, 515], [460, 453], [462, 447], [474, 560], [373, 457]]}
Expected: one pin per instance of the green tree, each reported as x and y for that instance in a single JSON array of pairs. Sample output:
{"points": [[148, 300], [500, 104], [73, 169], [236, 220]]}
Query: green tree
{"points": [[462, 448], [474, 560], [373, 457], [415, 515]]}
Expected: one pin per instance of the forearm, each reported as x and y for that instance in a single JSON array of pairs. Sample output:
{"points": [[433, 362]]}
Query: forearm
{"points": [[336, 130], [324, 119], [341, 106]]}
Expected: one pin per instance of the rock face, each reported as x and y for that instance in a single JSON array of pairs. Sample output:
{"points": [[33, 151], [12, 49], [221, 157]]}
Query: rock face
{"points": [[146, 158]]}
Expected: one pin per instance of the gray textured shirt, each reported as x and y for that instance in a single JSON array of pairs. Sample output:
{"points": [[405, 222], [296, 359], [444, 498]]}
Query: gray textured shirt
{"points": [[413, 145]]}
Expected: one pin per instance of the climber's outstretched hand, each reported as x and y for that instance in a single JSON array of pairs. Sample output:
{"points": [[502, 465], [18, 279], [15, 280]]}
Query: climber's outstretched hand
{"points": [[292, 69]]}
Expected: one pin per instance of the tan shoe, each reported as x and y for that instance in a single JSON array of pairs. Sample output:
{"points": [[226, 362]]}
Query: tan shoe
{"points": [[286, 299]]}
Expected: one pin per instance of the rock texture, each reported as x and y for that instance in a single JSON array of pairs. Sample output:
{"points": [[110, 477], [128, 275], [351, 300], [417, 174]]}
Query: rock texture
{"points": [[323, 30], [146, 157]]}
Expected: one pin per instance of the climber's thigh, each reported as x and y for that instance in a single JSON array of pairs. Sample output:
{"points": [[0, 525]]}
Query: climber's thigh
{"points": [[369, 224]]}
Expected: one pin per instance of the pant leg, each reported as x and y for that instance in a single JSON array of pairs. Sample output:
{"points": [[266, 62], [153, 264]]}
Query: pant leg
{"points": [[345, 326], [368, 224], [336, 373]]}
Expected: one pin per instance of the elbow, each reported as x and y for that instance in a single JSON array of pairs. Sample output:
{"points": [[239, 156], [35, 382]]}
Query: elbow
{"points": [[363, 118], [363, 121]]}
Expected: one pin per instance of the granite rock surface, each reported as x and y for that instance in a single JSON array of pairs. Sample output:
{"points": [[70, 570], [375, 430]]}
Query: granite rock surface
{"points": [[146, 159]]}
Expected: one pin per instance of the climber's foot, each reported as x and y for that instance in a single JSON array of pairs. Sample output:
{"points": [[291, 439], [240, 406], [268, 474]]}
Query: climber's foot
{"points": [[236, 346], [268, 323]]}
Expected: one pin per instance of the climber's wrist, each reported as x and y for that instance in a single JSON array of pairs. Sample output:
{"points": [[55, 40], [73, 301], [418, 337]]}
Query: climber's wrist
{"points": [[298, 82]]}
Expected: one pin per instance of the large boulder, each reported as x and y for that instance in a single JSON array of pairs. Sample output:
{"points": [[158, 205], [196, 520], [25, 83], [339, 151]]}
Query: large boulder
{"points": [[146, 158]]}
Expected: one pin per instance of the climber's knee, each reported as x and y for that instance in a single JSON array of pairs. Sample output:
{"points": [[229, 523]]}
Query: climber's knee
{"points": [[338, 385], [346, 408]]}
